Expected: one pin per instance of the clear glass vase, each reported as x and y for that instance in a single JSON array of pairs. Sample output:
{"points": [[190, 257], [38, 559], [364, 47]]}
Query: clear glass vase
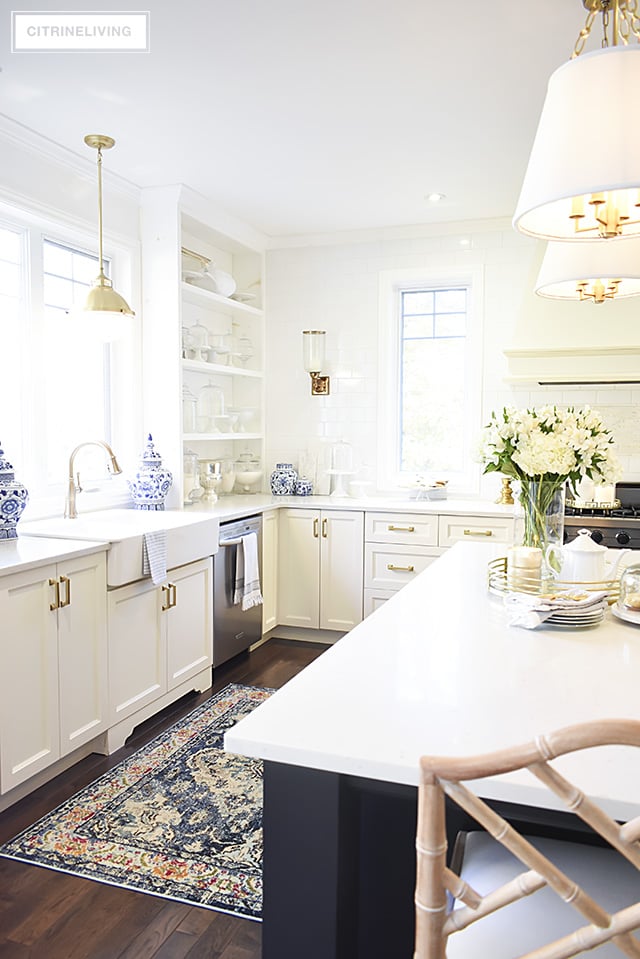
{"points": [[543, 515]]}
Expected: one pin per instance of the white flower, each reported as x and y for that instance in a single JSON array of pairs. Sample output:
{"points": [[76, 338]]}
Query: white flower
{"points": [[549, 443]]}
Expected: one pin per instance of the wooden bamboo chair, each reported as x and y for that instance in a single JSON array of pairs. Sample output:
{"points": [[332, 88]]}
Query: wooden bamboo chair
{"points": [[601, 884]]}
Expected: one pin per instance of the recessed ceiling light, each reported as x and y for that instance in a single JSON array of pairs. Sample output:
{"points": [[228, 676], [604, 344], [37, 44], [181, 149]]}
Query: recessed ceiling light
{"points": [[435, 197]]}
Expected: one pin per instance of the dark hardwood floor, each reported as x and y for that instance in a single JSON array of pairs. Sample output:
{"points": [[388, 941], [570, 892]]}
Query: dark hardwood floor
{"points": [[50, 915]]}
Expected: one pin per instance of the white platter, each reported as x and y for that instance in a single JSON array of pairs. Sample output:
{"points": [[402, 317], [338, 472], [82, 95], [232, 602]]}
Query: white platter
{"points": [[628, 615]]}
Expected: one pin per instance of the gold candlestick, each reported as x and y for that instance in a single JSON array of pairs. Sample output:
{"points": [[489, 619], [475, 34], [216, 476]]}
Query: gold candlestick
{"points": [[506, 494]]}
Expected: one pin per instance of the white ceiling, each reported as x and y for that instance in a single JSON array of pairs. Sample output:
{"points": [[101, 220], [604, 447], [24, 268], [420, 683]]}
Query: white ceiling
{"points": [[301, 116]]}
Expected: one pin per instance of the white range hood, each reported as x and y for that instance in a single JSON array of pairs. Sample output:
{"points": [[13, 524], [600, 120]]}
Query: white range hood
{"points": [[558, 366]]}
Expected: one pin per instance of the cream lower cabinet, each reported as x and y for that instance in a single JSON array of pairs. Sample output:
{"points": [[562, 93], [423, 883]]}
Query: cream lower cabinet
{"points": [[159, 637], [470, 528], [398, 546], [320, 554], [53, 664], [269, 570]]}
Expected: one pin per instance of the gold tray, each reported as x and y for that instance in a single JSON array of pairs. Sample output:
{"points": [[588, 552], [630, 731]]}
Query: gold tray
{"points": [[500, 583]]}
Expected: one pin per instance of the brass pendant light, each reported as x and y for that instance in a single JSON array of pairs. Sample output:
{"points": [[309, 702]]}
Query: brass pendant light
{"points": [[102, 297]]}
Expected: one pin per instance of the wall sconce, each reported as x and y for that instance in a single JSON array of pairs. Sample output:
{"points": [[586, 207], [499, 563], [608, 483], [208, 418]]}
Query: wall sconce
{"points": [[313, 357]]}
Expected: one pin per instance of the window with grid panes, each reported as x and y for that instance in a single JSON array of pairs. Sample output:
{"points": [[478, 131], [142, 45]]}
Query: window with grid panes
{"points": [[433, 327]]}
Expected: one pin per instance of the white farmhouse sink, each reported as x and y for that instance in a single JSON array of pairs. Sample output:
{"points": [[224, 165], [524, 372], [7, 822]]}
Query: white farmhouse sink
{"points": [[189, 536]]}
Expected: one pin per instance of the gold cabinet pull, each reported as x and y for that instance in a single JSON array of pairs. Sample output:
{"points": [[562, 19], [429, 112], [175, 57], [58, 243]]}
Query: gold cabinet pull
{"points": [[400, 569], [324, 528], [316, 526], [56, 602], [64, 580], [167, 590], [401, 529], [174, 594], [478, 532]]}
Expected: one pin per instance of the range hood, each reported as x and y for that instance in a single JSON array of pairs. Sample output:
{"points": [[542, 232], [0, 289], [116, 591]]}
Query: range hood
{"points": [[573, 366]]}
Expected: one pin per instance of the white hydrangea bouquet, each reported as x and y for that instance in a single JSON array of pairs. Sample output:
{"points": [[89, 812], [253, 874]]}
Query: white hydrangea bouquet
{"points": [[546, 448]]}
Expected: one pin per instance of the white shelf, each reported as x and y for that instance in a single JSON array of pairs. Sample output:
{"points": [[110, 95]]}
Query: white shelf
{"points": [[200, 366], [196, 437], [195, 294]]}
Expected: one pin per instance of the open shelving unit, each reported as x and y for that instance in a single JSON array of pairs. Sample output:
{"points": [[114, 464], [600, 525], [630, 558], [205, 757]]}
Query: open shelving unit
{"points": [[173, 219]]}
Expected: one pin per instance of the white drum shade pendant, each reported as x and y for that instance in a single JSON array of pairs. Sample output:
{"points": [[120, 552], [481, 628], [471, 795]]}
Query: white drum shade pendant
{"points": [[590, 271], [583, 178]]}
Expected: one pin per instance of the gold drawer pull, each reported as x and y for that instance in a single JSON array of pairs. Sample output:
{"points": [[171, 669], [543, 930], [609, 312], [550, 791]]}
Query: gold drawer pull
{"points": [[401, 529], [171, 597], [56, 601], [66, 582], [315, 528], [478, 532], [400, 569]]}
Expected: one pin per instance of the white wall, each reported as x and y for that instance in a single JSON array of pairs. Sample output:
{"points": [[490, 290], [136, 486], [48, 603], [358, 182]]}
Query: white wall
{"points": [[332, 284]]}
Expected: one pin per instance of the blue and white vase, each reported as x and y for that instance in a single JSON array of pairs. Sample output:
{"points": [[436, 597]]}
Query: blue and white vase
{"points": [[13, 499], [283, 480], [152, 482], [304, 487]]}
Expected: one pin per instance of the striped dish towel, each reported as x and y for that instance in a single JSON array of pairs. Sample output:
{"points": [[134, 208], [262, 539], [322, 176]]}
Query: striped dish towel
{"points": [[247, 582], [154, 556]]}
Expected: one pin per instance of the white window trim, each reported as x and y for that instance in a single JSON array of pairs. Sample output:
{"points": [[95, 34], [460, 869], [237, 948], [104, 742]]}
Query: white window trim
{"points": [[391, 282], [36, 222]]}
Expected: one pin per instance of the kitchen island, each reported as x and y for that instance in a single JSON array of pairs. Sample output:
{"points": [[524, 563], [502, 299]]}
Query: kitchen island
{"points": [[437, 669]]}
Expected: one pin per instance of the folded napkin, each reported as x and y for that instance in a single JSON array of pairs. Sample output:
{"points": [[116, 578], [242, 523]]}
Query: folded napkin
{"points": [[154, 556], [247, 582], [530, 611]]}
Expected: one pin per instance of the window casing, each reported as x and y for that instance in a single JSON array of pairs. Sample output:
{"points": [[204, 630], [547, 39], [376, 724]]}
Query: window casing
{"points": [[429, 382], [64, 387]]}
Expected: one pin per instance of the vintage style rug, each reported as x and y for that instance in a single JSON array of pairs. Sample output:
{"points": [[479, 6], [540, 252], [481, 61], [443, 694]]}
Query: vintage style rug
{"points": [[180, 818]]}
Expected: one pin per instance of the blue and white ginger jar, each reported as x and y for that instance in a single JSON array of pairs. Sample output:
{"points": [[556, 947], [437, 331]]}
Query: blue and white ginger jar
{"points": [[283, 480], [13, 499], [304, 487], [152, 482]]}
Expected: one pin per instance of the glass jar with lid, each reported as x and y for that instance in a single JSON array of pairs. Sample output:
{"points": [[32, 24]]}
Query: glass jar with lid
{"points": [[192, 489], [248, 472], [189, 411], [630, 588], [200, 337], [210, 406]]}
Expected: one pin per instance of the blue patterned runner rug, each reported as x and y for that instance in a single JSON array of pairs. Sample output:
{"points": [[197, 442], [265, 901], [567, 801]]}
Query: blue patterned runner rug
{"points": [[180, 818]]}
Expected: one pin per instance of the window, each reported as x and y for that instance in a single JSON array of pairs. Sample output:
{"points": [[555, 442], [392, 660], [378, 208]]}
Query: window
{"points": [[76, 374], [429, 389], [60, 387]]}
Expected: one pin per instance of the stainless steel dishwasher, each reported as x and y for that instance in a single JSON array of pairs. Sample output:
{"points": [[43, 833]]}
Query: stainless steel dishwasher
{"points": [[234, 629]]}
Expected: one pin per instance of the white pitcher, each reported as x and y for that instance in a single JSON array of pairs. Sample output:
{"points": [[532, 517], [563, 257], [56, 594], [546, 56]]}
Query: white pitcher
{"points": [[583, 560]]}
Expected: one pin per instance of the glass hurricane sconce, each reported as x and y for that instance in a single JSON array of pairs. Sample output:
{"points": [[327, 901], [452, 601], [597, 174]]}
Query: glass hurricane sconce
{"points": [[313, 344], [583, 177]]}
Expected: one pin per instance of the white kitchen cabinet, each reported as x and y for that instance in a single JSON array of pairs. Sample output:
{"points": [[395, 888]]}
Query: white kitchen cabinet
{"points": [[53, 664], [470, 528], [269, 570], [172, 219], [320, 564], [160, 637], [398, 546]]}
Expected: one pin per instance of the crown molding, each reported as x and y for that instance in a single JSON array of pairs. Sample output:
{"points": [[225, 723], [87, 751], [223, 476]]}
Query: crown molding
{"points": [[16, 134]]}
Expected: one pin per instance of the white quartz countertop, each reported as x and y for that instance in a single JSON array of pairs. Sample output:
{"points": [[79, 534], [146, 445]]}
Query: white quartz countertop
{"points": [[236, 506], [439, 670], [28, 552]]}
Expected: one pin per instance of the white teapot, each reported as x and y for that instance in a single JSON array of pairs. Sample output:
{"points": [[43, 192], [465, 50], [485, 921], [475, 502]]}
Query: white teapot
{"points": [[583, 560]]}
